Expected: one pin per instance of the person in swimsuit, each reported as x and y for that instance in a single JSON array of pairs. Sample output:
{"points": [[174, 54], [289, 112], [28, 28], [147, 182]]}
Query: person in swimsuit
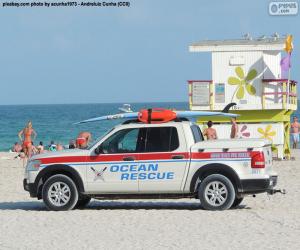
{"points": [[72, 144], [210, 133], [26, 133], [234, 128], [52, 146], [83, 139], [59, 147], [34, 150], [40, 147], [17, 147], [295, 131]]}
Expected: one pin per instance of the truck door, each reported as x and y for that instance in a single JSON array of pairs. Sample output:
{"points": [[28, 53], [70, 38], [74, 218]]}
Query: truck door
{"points": [[164, 160], [108, 169]]}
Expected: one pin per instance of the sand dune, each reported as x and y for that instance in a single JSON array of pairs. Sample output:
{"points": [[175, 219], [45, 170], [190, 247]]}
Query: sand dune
{"points": [[264, 222]]}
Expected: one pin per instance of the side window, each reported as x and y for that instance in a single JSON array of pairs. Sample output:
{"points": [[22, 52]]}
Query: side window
{"points": [[197, 133], [161, 139], [123, 141]]}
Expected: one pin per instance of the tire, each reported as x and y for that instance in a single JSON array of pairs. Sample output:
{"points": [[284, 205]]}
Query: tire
{"points": [[216, 192], [82, 202], [60, 193], [237, 202]]}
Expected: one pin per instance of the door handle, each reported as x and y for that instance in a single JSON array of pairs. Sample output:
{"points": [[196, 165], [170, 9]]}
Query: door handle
{"points": [[177, 156], [129, 158]]}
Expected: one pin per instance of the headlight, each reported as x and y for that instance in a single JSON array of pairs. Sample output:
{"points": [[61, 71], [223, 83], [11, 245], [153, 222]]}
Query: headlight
{"points": [[33, 165]]}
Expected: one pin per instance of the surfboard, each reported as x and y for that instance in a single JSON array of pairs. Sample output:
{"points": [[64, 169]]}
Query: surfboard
{"points": [[181, 114], [142, 115], [133, 115]]}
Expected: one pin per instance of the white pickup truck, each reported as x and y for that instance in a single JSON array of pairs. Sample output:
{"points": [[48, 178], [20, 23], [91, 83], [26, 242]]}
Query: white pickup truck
{"points": [[167, 160]]}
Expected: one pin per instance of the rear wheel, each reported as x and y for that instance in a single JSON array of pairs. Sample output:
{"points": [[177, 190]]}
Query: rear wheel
{"points": [[216, 192], [60, 193]]}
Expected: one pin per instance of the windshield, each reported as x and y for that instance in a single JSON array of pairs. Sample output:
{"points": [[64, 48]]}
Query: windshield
{"points": [[99, 138]]}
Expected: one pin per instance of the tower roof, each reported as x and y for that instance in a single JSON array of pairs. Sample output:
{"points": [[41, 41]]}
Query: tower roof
{"points": [[248, 44]]}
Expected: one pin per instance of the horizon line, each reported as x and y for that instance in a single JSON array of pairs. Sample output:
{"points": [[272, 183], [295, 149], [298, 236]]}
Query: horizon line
{"points": [[86, 103]]}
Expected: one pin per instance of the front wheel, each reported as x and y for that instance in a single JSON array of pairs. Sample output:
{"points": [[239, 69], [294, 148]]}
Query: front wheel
{"points": [[60, 193], [216, 192]]}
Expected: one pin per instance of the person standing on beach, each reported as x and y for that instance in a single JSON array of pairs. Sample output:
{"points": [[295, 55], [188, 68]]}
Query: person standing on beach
{"points": [[234, 128], [295, 131], [83, 139], [210, 133], [26, 133]]}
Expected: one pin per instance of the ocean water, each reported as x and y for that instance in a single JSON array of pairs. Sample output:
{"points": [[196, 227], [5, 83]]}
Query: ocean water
{"points": [[56, 122]]}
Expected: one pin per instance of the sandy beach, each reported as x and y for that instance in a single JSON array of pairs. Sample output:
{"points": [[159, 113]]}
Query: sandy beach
{"points": [[264, 222]]}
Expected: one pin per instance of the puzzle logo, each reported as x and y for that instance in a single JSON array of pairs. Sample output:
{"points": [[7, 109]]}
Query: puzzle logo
{"points": [[98, 174]]}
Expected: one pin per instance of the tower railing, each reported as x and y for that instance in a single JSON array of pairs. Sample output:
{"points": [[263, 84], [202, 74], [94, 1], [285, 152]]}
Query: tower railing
{"points": [[284, 90], [275, 94]]}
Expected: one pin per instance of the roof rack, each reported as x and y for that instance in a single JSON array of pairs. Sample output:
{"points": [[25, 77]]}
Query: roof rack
{"points": [[131, 121], [182, 119]]}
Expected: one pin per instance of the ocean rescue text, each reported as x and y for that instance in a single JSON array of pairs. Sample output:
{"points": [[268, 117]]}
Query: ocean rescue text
{"points": [[141, 172]]}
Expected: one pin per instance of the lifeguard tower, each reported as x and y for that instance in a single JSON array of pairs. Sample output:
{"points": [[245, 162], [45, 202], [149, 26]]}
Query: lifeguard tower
{"points": [[248, 72]]}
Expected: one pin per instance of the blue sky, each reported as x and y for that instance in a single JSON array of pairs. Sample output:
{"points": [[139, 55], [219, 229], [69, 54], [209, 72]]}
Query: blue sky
{"points": [[136, 54]]}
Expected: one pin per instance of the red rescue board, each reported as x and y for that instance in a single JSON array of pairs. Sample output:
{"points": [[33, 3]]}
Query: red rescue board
{"points": [[156, 115]]}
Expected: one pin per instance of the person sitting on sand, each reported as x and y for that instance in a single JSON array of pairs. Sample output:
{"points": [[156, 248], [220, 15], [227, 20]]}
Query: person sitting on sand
{"points": [[72, 144], [59, 147], [16, 147], [295, 131], [34, 150], [83, 139], [27, 140], [40, 147], [210, 133], [52, 146]]}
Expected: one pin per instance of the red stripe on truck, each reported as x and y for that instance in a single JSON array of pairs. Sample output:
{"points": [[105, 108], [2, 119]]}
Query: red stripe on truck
{"points": [[115, 157], [257, 157]]}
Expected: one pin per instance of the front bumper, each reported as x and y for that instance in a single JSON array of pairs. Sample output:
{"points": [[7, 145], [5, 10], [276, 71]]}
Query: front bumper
{"points": [[30, 187], [256, 186]]}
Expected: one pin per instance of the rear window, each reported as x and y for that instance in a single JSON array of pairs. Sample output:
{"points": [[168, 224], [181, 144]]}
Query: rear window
{"points": [[161, 139], [196, 133]]}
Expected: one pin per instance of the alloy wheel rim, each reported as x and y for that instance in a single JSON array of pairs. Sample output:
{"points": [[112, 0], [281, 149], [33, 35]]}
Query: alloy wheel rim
{"points": [[59, 194], [216, 193]]}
